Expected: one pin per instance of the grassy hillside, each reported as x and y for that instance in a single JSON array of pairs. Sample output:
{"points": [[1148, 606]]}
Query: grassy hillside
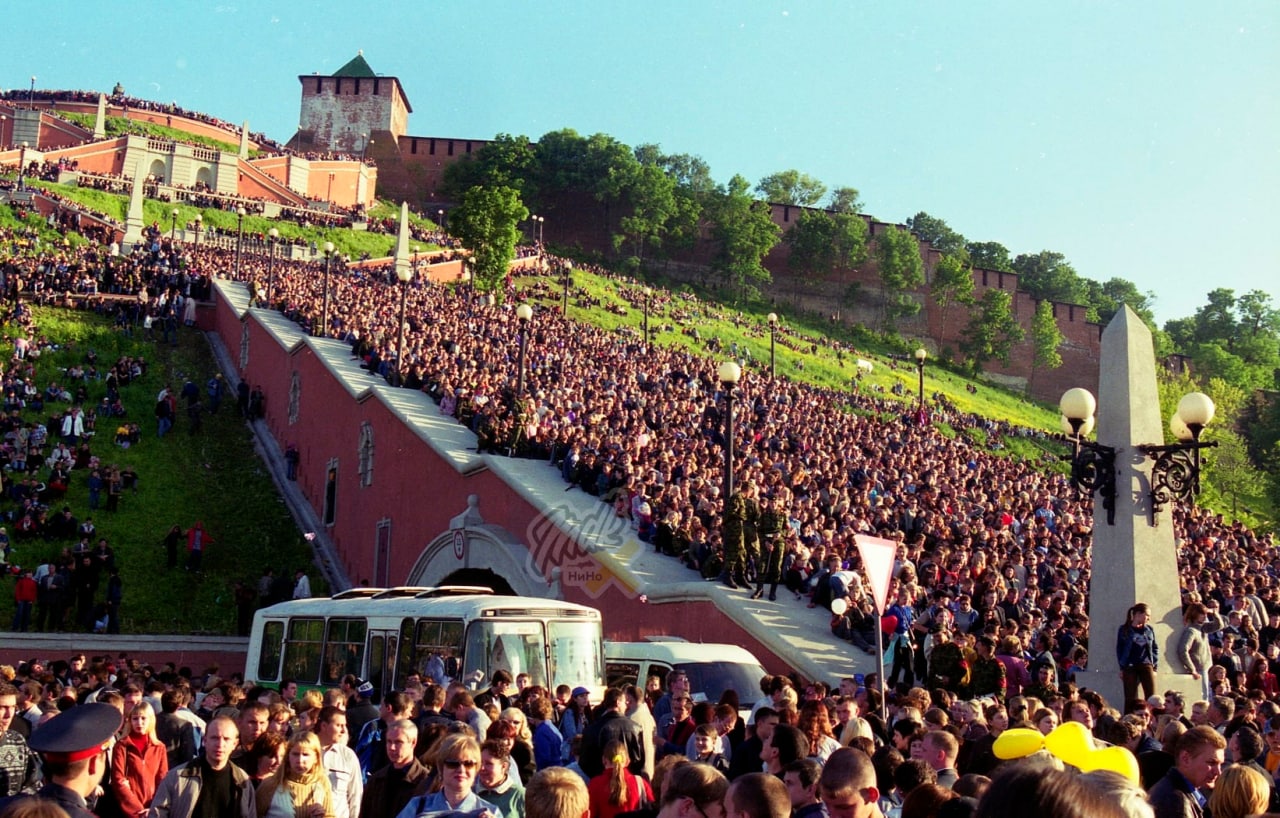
{"points": [[355, 243], [121, 126], [213, 476]]}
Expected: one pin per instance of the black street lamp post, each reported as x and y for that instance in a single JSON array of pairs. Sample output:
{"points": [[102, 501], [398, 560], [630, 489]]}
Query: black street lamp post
{"points": [[22, 164], [173, 230], [523, 313], [405, 276], [272, 235], [564, 309], [199, 224], [240, 211], [324, 311], [729, 373], [648, 294], [773, 337], [921, 355]]}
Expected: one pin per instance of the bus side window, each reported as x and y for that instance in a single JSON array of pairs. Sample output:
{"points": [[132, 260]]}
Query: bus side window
{"points": [[302, 651], [437, 639], [269, 658], [344, 649]]}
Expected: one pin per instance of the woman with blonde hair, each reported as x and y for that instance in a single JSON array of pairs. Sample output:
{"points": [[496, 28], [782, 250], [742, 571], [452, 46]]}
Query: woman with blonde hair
{"points": [[300, 788], [454, 760], [1240, 791], [617, 789], [139, 762]]}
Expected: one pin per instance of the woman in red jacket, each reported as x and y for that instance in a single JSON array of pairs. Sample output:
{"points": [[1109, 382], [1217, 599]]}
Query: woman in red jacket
{"points": [[616, 789], [139, 763]]}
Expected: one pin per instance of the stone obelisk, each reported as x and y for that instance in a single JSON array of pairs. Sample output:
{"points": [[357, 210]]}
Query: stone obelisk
{"points": [[133, 224], [100, 120], [1134, 560], [404, 264]]}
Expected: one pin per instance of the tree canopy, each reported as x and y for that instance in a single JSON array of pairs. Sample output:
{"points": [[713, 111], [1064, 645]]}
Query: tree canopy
{"points": [[791, 187], [901, 271], [486, 226], [743, 232]]}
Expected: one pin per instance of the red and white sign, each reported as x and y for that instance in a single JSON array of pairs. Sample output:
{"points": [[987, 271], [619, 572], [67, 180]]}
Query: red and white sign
{"points": [[459, 543], [877, 563]]}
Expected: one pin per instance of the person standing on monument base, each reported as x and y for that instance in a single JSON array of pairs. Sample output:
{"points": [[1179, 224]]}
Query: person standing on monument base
{"points": [[1137, 653]]}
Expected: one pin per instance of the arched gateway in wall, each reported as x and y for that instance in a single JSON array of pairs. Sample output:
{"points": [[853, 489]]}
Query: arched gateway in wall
{"points": [[473, 552]]}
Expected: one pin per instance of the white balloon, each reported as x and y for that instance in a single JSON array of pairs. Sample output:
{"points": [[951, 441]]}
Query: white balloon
{"points": [[839, 606]]}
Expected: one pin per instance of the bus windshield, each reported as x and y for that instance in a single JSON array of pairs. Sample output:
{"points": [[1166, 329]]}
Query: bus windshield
{"points": [[516, 647], [575, 653]]}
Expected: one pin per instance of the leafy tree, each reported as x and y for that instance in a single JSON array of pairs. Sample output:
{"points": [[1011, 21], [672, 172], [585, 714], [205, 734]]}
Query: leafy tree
{"points": [[691, 173], [1045, 340], [936, 232], [1257, 315], [693, 185], [1107, 297], [993, 331], [822, 243], [1216, 320], [897, 254], [1048, 275], [609, 167], [1182, 332], [486, 226], [989, 255], [791, 187], [952, 284], [743, 231], [845, 200], [651, 194], [1229, 470], [561, 159]]}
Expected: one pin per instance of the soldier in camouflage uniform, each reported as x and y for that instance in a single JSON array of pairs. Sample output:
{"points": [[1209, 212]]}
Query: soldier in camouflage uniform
{"points": [[773, 523], [750, 526], [731, 535]]}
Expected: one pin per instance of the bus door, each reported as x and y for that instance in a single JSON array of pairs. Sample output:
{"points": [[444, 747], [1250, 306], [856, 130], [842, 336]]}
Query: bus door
{"points": [[382, 661]]}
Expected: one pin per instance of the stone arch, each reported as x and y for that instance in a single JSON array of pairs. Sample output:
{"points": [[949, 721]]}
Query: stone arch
{"points": [[464, 552], [204, 176], [159, 170], [480, 576]]}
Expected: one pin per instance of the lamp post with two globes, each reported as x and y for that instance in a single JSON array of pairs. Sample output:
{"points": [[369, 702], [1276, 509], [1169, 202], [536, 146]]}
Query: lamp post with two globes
{"points": [[1175, 469]]}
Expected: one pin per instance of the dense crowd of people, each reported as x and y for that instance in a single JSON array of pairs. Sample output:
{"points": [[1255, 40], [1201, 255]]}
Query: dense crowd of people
{"points": [[989, 621], [121, 737]]}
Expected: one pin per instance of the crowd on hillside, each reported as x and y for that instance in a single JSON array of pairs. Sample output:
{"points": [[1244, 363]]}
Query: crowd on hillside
{"points": [[993, 558]]}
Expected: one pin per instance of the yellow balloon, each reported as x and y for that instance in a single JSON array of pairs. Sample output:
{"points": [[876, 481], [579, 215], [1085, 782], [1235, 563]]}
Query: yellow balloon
{"points": [[1017, 742], [1070, 742], [1117, 760]]}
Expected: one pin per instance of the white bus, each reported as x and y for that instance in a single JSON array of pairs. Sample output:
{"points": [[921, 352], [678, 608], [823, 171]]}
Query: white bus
{"points": [[384, 635]]}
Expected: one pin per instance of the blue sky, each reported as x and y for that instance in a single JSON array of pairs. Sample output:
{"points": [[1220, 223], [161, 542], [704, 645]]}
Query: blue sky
{"points": [[1140, 140]]}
